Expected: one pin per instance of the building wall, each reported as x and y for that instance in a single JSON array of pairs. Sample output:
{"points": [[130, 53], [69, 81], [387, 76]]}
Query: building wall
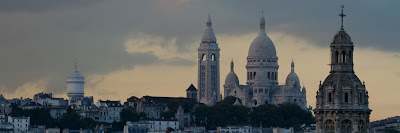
{"points": [[20, 124]]}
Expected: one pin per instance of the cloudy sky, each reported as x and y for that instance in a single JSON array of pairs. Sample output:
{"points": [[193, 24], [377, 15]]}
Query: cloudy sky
{"points": [[138, 48]]}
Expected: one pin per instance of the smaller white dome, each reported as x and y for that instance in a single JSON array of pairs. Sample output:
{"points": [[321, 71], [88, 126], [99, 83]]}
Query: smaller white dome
{"points": [[75, 74], [231, 78], [292, 79]]}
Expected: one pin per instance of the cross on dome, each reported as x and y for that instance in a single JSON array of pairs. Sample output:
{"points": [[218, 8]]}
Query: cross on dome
{"points": [[342, 15]]}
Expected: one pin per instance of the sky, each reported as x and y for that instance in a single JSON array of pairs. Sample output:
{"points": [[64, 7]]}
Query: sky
{"points": [[135, 48]]}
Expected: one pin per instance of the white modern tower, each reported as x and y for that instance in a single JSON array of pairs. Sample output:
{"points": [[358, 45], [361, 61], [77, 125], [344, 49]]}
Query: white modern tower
{"points": [[75, 85], [208, 67]]}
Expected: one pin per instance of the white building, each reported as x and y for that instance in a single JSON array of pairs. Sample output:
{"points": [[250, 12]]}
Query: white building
{"points": [[75, 85], [262, 84], [20, 124], [208, 68], [109, 110], [234, 129], [160, 125], [136, 127]]}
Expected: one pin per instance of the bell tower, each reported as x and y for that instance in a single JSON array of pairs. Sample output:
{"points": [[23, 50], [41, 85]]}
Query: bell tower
{"points": [[208, 67], [342, 100]]}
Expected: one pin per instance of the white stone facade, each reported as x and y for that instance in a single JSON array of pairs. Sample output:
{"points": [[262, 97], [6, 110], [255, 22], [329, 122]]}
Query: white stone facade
{"points": [[262, 77], [75, 85], [20, 124], [160, 125], [109, 111], [208, 68]]}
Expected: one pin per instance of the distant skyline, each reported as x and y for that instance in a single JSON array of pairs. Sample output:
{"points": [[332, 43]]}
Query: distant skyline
{"points": [[137, 48]]}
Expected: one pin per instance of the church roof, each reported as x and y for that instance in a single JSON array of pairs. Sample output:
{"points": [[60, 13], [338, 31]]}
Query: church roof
{"points": [[160, 100], [262, 46], [208, 35], [191, 88], [237, 102], [341, 37], [292, 79], [231, 78], [75, 74]]}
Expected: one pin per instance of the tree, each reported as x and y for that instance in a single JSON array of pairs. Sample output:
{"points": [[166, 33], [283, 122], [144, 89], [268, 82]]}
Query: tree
{"points": [[168, 114], [170, 129], [74, 121], [128, 115]]}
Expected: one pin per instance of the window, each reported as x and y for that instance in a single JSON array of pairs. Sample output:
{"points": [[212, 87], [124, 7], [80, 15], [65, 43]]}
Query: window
{"points": [[344, 57], [268, 74], [254, 74], [346, 97], [330, 97], [213, 57], [203, 57], [337, 57]]}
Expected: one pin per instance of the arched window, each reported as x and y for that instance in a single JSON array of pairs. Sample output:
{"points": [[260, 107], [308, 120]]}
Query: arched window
{"points": [[295, 100], [248, 75], [254, 74], [346, 126], [269, 74], [272, 75], [350, 56], [346, 97], [361, 126], [344, 57], [337, 56], [203, 57], [329, 126], [251, 75], [330, 97], [255, 102], [213, 57], [276, 76]]}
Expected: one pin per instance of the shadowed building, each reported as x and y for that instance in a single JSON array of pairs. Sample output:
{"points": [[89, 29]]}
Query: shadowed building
{"points": [[342, 100]]}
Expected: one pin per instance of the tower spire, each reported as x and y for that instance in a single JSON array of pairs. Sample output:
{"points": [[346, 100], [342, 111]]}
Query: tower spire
{"points": [[209, 21], [292, 65], [342, 15], [232, 65], [262, 22], [76, 64]]}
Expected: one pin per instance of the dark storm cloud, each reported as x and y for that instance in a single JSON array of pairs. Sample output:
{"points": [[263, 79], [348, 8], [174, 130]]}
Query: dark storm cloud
{"points": [[42, 5], [40, 39]]}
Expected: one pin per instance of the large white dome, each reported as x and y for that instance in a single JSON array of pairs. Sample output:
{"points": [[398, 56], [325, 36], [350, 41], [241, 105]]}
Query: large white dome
{"points": [[262, 46]]}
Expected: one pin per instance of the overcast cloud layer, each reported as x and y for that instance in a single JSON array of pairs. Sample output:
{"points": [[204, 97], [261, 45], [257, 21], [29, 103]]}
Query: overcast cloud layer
{"points": [[40, 39]]}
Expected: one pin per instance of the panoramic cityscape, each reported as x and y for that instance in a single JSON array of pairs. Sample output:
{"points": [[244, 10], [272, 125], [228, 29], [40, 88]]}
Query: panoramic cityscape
{"points": [[199, 66]]}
